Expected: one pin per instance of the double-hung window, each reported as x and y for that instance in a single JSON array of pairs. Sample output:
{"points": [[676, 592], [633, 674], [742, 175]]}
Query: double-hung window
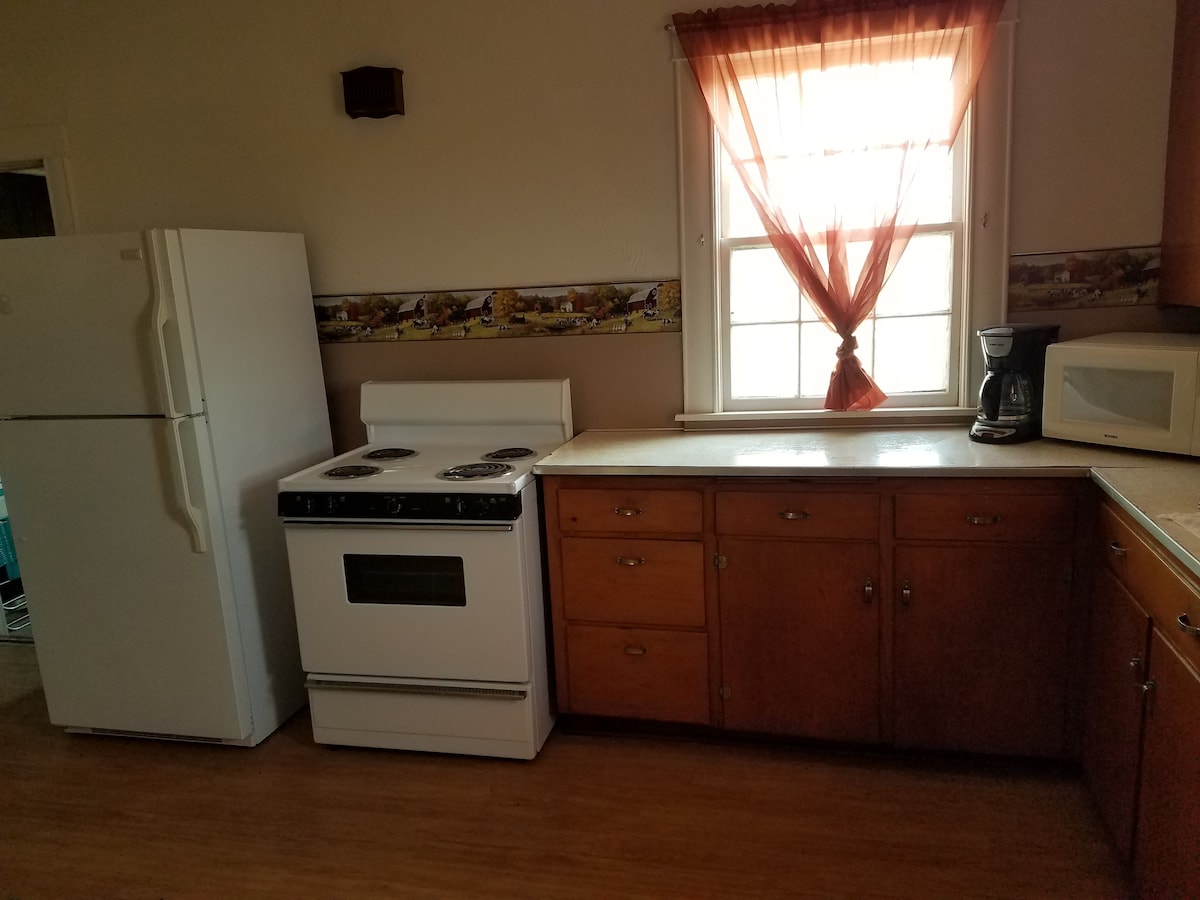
{"points": [[757, 346]]}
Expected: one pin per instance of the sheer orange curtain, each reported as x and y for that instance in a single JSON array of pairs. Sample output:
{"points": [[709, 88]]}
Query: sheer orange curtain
{"points": [[747, 62]]}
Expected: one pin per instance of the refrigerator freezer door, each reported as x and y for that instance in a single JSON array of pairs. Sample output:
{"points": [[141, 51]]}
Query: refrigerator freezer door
{"points": [[86, 323], [135, 630]]}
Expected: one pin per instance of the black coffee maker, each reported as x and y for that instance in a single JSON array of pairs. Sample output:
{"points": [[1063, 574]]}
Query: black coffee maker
{"points": [[1010, 397]]}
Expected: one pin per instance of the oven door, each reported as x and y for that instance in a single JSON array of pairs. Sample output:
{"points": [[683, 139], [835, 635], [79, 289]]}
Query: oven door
{"points": [[414, 601]]}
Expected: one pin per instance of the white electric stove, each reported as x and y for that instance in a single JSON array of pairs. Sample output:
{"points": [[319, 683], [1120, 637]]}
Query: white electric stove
{"points": [[416, 570]]}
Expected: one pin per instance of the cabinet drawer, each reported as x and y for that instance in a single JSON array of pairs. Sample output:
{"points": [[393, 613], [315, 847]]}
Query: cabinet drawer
{"points": [[638, 673], [628, 512], [637, 582], [1163, 593], [1036, 518], [798, 514]]}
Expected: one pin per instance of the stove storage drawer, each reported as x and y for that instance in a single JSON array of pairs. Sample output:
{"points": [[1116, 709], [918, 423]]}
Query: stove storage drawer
{"points": [[633, 581], [638, 673], [630, 511]]}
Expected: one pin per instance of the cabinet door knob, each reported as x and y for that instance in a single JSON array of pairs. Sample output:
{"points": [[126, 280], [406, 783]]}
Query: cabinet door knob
{"points": [[1117, 549], [635, 649], [631, 560], [983, 520], [626, 511], [1135, 664], [789, 514], [868, 590], [1187, 627], [906, 595]]}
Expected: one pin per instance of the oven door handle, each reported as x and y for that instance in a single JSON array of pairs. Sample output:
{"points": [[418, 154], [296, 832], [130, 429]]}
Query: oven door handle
{"points": [[397, 526]]}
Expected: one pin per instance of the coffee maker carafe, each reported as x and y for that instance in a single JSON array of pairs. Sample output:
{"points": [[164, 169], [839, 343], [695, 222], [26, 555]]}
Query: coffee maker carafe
{"points": [[1010, 397]]}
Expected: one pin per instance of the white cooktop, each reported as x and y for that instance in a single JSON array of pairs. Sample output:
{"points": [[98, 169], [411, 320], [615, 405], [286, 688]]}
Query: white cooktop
{"points": [[448, 424], [421, 471]]}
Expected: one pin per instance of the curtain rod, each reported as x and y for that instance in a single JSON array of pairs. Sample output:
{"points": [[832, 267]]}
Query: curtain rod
{"points": [[1007, 14]]}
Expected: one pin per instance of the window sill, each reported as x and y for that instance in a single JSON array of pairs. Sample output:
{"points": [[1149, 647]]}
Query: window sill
{"points": [[825, 418]]}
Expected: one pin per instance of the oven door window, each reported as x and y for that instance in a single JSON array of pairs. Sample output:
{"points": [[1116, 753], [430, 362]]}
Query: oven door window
{"points": [[405, 580]]}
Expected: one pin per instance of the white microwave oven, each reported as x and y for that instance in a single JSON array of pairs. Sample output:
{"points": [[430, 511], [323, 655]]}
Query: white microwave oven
{"points": [[1125, 390]]}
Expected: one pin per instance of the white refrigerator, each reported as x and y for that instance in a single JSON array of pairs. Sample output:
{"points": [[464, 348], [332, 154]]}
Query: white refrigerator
{"points": [[154, 387]]}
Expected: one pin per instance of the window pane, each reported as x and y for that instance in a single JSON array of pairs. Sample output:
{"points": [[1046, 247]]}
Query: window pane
{"points": [[738, 215], [760, 288], [818, 356], [763, 361], [912, 354], [765, 96], [857, 188], [932, 192], [808, 312], [892, 103], [921, 280]]}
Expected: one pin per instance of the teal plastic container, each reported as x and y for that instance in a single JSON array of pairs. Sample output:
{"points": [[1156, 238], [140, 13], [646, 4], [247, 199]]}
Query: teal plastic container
{"points": [[8, 553]]}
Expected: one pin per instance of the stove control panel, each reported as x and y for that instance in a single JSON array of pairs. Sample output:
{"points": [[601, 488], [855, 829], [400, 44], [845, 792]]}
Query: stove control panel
{"points": [[435, 507]]}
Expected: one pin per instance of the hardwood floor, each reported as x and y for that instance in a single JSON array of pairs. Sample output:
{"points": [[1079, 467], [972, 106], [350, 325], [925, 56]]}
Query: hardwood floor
{"points": [[592, 816]]}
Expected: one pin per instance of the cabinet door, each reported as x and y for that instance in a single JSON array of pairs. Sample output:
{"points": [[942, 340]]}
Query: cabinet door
{"points": [[1179, 281], [800, 638], [1167, 858], [1117, 647], [980, 648]]}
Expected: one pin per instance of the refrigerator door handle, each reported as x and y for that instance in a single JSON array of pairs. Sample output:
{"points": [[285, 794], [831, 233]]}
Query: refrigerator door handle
{"points": [[173, 337], [179, 468]]}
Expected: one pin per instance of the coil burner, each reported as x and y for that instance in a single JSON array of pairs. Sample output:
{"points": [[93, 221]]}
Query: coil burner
{"points": [[351, 471], [473, 471], [509, 453], [390, 453]]}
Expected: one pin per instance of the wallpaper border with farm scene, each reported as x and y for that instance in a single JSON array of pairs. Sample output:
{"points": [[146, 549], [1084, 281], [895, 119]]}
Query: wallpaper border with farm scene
{"points": [[1083, 279], [626, 307]]}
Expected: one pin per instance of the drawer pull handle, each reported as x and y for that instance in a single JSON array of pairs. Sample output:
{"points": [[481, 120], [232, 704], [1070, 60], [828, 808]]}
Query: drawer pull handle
{"points": [[788, 514], [631, 560], [983, 520], [635, 649], [1117, 549], [626, 511], [1187, 627]]}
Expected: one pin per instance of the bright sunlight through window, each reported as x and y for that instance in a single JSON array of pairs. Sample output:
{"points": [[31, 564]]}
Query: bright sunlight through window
{"points": [[778, 354]]}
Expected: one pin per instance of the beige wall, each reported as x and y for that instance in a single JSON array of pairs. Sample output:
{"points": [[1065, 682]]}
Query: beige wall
{"points": [[537, 148]]}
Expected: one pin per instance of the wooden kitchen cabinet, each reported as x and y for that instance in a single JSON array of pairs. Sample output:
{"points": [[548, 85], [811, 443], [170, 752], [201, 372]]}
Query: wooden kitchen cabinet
{"points": [[1167, 855], [1118, 647], [983, 617], [798, 574], [1179, 277], [626, 559], [1166, 823], [930, 613], [637, 673]]}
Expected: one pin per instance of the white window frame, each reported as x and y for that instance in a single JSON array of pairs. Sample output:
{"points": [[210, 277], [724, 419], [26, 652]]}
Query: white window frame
{"points": [[985, 251]]}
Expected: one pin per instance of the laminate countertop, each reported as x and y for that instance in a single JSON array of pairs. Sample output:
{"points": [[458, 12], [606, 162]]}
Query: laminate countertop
{"points": [[1161, 491]]}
